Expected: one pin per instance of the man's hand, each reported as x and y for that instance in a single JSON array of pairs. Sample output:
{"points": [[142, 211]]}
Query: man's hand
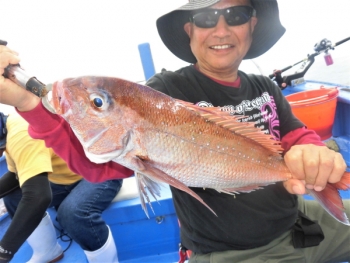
{"points": [[10, 93], [312, 167]]}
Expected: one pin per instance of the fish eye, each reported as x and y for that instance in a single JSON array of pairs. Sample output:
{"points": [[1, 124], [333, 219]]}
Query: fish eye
{"points": [[98, 101]]}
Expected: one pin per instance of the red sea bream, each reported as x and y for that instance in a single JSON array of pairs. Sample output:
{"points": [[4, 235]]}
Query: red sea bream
{"points": [[166, 140]]}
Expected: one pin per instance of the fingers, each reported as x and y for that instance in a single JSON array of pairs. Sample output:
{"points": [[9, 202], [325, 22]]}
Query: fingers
{"points": [[13, 95], [10, 93], [295, 186], [317, 165], [339, 168], [7, 56], [293, 159], [6, 49]]}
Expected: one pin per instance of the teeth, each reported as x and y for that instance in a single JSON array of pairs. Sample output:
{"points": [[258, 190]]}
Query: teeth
{"points": [[221, 47]]}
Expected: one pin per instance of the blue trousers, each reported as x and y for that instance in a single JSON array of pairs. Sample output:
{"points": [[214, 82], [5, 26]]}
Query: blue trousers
{"points": [[79, 207]]}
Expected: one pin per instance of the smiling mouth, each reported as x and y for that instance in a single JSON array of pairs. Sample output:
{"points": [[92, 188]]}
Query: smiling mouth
{"points": [[221, 47]]}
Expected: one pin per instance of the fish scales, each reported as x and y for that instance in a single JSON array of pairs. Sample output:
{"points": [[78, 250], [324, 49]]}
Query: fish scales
{"points": [[208, 167], [172, 141], [212, 154], [213, 163]]}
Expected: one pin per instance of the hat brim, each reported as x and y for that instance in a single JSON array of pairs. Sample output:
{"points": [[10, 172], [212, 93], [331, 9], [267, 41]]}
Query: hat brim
{"points": [[266, 33]]}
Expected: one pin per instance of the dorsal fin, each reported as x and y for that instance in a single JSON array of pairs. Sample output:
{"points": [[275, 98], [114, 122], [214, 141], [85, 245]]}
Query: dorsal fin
{"points": [[232, 123]]}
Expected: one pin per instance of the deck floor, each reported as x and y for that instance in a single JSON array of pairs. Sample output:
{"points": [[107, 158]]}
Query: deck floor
{"points": [[73, 252]]}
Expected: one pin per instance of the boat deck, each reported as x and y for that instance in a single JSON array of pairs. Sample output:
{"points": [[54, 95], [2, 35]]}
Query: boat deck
{"points": [[138, 239]]}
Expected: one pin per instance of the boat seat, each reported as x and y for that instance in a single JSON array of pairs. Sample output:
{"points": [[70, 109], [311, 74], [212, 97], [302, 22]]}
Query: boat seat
{"points": [[128, 190]]}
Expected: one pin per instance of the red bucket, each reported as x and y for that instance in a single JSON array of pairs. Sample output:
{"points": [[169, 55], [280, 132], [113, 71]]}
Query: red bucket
{"points": [[316, 109]]}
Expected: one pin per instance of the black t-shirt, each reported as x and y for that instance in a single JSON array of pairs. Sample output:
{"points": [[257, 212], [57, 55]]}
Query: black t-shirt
{"points": [[246, 220]]}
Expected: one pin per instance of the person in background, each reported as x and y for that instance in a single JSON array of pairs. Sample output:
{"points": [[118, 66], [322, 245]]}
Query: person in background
{"points": [[214, 36], [37, 179]]}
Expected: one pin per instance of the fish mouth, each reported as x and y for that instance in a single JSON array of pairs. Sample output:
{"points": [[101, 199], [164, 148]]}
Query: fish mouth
{"points": [[58, 99], [47, 100]]}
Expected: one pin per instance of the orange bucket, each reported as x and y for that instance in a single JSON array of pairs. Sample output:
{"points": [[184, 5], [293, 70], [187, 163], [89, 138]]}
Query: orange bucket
{"points": [[316, 109]]}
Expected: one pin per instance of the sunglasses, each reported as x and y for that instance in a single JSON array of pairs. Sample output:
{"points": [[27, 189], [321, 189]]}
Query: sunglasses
{"points": [[234, 16]]}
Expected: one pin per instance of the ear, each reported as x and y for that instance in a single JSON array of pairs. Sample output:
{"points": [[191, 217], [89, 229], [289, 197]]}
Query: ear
{"points": [[253, 22], [187, 28]]}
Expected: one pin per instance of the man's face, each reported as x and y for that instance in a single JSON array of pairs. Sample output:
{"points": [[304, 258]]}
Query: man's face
{"points": [[223, 47]]}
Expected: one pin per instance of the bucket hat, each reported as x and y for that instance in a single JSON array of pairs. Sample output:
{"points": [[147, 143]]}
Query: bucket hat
{"points": [[266, 33]]}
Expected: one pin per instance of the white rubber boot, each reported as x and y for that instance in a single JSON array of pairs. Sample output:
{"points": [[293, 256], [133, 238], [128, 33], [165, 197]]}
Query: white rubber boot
{"points": [[107, 253], [43, 241]]}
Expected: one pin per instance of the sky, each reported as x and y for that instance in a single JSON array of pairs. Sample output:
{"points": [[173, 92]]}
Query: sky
{"points": [[70, 38]]}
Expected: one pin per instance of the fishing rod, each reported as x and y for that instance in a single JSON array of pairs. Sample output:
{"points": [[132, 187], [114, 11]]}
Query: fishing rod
{"points": [[23, 79], [322, 46]]}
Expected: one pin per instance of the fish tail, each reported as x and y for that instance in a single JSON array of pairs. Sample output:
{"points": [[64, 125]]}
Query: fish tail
{"points": [[331, 201], [344, 183]]}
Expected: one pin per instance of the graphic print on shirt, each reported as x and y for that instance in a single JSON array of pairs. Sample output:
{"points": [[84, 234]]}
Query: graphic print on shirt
{"points": [[261, 111]]}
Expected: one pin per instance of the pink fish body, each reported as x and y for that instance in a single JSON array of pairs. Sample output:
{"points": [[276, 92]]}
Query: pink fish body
{"points": [[166, 140]]}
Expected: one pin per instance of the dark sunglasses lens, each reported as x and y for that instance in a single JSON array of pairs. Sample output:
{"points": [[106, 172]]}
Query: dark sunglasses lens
{"points": [[238, 15], [234, 16], [206, 19]]}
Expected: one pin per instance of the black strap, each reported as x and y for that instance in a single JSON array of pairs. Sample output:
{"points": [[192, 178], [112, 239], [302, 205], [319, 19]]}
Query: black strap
{"points": [[8, 183], [306, 232]]}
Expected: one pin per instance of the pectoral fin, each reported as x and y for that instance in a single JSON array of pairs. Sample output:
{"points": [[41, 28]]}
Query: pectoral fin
{"points": [[143, 184], [155, 176]]}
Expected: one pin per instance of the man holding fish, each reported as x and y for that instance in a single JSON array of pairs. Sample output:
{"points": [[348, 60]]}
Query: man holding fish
{"points": [[270, 224]]}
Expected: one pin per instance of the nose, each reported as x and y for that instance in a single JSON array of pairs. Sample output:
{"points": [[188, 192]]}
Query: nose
{"points": [[222, 28]]}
